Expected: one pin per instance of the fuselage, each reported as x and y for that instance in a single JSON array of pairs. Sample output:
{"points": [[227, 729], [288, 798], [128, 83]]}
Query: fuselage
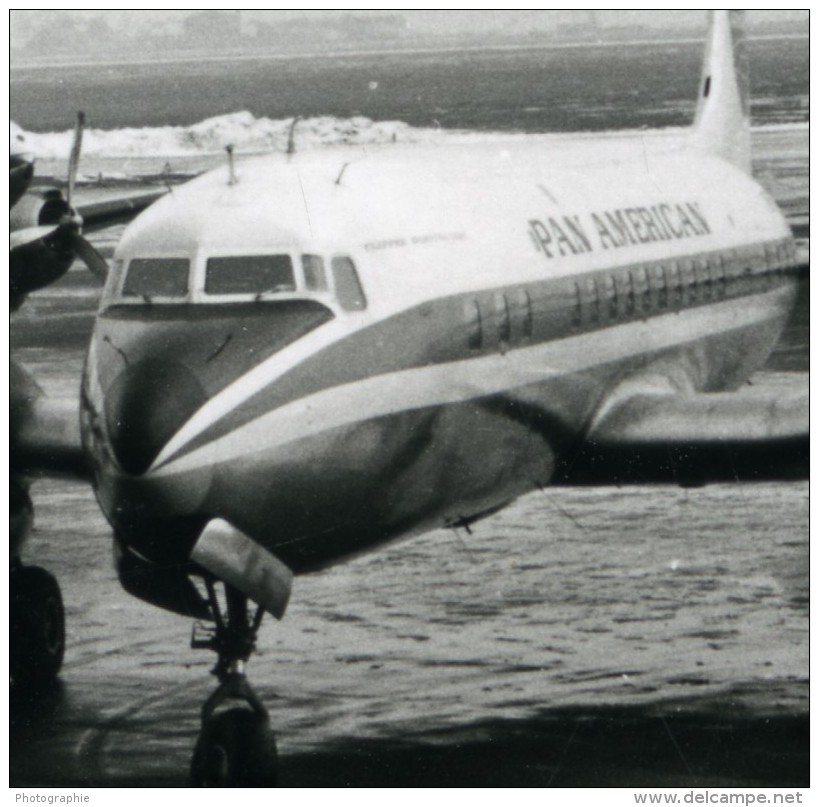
{"points": [[339, 349]]}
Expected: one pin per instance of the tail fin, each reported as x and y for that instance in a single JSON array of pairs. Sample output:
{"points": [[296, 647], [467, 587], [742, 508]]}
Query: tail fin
{"points": [[721, 125]]}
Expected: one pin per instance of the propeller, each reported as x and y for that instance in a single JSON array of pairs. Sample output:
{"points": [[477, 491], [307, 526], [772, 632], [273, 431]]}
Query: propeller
{"points": [[84, 249], [68, 229]]}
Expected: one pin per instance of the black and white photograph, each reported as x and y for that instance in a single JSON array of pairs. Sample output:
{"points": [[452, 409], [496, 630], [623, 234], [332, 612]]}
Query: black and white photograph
{"points": [[409, 399]]}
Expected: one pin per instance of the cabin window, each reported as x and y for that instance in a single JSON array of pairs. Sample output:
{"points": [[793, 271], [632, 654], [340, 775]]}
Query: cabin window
{"points": [[718, 274], [528, 324], [708, 277], [348, 287], [689, 280], [700, 279], [731, 271], [522, 313], [156, 277], [610, 290], [593, 299], [315, 278], [625, 282], [250, 274], [642, 288], [677, 284], [748, 259], [474, 328], [661, 286], [760, 262], [577, 315], [503, 321], [748, 280]]}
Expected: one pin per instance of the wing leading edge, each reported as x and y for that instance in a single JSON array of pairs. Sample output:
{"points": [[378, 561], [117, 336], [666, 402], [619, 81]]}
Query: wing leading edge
{"points": [[97, 215], [694, 439]]}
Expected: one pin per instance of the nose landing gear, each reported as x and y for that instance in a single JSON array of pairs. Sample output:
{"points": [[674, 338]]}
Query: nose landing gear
{"points": [[236, 747]]}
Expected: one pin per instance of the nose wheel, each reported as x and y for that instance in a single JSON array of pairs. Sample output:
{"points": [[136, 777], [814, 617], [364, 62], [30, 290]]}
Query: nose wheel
{"points": [[235, 749], [236, 746]]}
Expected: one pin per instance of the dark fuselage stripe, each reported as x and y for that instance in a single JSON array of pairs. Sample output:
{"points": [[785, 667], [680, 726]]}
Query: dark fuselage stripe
{"points": [[440, 385], [477, 324]]}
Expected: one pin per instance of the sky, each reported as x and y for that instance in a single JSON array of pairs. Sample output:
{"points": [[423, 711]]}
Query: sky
{"points": [[22, 22]]}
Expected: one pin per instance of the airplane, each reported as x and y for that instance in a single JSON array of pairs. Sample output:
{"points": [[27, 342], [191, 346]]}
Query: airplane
{"points": [[302, 357], [45, 237]]}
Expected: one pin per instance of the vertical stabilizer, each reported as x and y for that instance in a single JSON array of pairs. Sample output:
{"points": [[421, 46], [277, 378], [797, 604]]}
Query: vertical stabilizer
{"points": [[722, 123]]}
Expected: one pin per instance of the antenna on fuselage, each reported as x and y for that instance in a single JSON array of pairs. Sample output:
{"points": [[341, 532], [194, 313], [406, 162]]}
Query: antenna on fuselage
{"points": [[232, 178], [291, 137], [166, 175], [341, 173]]}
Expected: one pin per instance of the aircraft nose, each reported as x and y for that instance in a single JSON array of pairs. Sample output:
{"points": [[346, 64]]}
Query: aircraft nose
{"points": [[145, 406]]}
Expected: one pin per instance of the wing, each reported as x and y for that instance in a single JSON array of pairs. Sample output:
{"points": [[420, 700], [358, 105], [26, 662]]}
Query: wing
{"points": [[694, 439], [97, 215]]}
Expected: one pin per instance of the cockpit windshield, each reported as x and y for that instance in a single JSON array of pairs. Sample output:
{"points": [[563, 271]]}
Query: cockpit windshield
{"points": [[315, 278], [157, 277], [250, 274], [237, 278]]}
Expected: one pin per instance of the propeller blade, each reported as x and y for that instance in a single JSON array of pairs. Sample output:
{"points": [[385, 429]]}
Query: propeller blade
{"points": [[90, 257], [28, 235], [74, 159]]}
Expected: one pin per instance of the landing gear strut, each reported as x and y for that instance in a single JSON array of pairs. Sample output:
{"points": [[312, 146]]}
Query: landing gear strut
{"points": [[236, 747]]}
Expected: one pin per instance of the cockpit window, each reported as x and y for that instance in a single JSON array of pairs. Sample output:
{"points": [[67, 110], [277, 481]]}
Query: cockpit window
{"points": [[157, 277], [314, 277], [348, 287], [250, 274]]}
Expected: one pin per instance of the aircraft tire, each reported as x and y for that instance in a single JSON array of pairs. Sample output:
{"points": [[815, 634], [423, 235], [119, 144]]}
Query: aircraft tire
{"points": [[235, 749], [37, 627]]}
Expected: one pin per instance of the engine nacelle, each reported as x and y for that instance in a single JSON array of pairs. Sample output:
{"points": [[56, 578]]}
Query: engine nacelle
{"points": [[38, 209], [21, 172], [39, 263]]}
